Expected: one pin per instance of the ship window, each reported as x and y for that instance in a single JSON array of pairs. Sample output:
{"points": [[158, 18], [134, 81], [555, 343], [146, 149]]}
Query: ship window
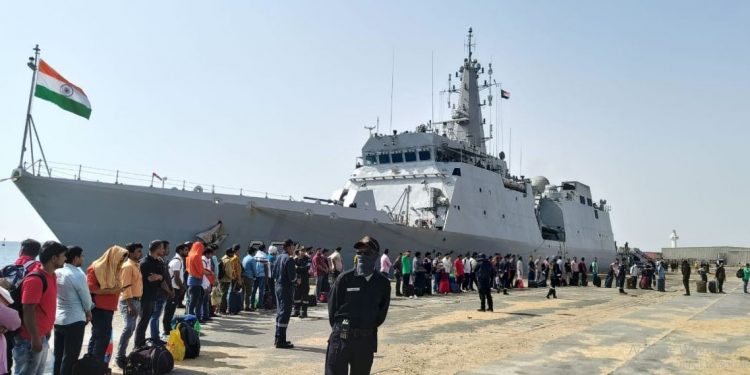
{"points": [[384, 159], [588, 201], [456, 171], [410, 156], [583, 199], [425, 155], [397, 157], [371, 159], [596, 215]]}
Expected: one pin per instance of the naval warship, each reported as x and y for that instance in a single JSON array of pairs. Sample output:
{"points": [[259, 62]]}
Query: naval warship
{"points": [[435, 187]]}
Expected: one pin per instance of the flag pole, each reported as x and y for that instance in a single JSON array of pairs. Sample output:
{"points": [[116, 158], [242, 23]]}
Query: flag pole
{"points": [[33, 61]]}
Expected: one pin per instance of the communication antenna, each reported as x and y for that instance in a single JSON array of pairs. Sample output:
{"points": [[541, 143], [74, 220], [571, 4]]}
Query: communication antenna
{"points": [[432, 87], [393, 70], [370, 129]]}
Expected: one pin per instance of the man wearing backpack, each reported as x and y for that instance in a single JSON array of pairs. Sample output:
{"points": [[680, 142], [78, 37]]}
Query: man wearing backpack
{"points": [[27, 260], [38, 296]]}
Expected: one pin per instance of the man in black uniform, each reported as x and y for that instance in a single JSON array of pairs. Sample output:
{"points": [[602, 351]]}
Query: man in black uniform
{"points": [[357, 307], [284, 272], [686, 276], [484, 275], [302, 292], [621, 276]]}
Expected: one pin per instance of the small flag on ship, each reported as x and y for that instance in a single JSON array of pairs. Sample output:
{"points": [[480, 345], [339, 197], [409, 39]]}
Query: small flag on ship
{"points": [[504, 94], [50, 85]]}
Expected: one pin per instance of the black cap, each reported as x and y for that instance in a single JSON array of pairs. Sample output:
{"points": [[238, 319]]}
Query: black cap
{"points": [[368, 242], [236, 247], [288, 242]]}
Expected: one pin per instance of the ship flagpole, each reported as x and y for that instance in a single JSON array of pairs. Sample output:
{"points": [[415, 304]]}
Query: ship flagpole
{"points": [[33, 61]]}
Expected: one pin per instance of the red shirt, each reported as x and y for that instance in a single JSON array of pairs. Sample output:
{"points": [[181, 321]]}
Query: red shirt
{"points": [[458, 264], [35, 265], [46, 303], [101, 301]]}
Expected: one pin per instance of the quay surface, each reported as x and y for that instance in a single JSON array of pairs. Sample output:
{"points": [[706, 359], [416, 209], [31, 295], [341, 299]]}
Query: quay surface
{"points": [[586, 330]]}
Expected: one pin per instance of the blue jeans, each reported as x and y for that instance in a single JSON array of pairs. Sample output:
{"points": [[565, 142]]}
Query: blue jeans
{"points": [[127, 330], [101, 332], [206, 309], [260, 286], [27, 362], [195, 300], [155, 317]]}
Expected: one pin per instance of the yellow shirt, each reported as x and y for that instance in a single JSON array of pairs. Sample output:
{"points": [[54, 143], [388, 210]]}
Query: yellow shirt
{"points": [[131, 275]]}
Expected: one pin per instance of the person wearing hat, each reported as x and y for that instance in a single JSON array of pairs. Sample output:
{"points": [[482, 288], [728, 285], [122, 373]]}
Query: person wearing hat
{"points": [[357, 307], [484, 275], [285, 274]]}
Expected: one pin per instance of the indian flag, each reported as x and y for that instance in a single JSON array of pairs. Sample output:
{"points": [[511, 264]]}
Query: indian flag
{"points": [[50, 85]]}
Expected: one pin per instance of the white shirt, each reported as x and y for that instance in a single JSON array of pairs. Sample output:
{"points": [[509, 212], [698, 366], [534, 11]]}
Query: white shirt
{"points": [[206, 265], [519, 268], [447, 265], [176, 264], [385, 263], [336, 261], [467, 265], [473, 264], [574, 266]]}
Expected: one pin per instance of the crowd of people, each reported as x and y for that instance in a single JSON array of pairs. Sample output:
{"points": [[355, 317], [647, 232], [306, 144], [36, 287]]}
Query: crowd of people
{"points": [[45, 294]]}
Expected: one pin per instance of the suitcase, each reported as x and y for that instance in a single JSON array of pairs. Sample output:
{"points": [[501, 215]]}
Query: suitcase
{"points": [[532, 284], [234, 301], [598, 282], [608, 282], [700, 286], [631, 282], [712, 286]]}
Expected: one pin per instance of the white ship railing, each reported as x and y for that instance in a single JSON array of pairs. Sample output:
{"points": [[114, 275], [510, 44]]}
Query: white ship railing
{"points": [[81, 172]]}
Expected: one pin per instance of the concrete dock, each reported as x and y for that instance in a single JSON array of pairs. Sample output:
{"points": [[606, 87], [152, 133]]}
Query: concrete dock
{"points": [[586, 330]]}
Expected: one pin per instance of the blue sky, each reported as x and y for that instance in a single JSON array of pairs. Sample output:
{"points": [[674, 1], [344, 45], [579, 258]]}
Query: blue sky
{"points": [[645, 101]]}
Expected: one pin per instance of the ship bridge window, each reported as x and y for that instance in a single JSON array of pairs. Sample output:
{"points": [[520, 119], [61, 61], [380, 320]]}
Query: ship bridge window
{"points": [[371, 159], [425, 155], [397, 157], [384, 159], [583, 199], [410, 156], [588, 201]]}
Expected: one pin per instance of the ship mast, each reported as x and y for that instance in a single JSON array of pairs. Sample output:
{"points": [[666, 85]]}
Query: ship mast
{"points": [[30, 127]]}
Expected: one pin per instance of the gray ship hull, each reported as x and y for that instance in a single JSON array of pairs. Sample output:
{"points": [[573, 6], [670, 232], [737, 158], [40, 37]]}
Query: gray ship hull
{"points": [[96, 215]]}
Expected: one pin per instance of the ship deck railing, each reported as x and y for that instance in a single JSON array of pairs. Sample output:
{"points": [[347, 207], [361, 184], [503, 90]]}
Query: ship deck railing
{"points": [[80, 172]]}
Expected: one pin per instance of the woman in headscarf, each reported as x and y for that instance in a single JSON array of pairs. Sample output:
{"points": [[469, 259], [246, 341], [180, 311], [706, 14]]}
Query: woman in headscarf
{"points": [[103, 278]]}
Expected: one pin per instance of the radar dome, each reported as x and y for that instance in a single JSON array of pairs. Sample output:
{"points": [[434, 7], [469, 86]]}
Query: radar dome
{"points": [[538, 184]]}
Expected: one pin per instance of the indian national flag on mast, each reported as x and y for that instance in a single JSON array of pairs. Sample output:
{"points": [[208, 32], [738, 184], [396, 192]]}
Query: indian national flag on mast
{"points": [[50, 85]]}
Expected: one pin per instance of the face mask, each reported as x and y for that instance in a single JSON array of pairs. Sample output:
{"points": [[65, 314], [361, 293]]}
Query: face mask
{"points": [[366, 264]]}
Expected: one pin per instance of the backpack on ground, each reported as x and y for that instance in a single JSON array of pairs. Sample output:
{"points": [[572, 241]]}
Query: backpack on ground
{"points": [[740, 273], [150, 359], [323, 297], [188, 319], [312, 301], [234, 300], [269, 301], [90, 365], [191, 339]]}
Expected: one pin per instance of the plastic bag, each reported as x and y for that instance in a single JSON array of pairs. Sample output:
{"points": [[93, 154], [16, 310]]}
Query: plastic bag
{"points": [[197, 327], [175, 345]]}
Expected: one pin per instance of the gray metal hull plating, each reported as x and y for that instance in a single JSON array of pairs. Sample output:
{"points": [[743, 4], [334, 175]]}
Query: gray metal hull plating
{"points": [[98, 215]]}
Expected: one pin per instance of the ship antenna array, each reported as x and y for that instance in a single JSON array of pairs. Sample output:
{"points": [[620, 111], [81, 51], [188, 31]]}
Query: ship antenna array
{"points": [[30, 126]]}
